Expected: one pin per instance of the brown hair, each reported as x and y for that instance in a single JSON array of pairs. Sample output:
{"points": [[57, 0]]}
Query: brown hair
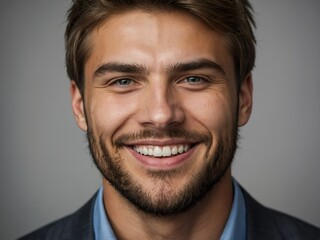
{"points": [[233, 18]]}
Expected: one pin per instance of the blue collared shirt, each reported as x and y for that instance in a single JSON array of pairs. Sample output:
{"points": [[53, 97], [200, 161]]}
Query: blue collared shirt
{"points": [[234, 229], [236, 224]]}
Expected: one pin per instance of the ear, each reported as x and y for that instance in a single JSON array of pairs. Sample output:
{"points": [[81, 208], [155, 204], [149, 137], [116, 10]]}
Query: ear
{"points": [[78, 106], [245, 100]]}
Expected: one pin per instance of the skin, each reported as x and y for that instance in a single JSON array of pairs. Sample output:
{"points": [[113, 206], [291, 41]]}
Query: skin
{"points": [[160, 99]]}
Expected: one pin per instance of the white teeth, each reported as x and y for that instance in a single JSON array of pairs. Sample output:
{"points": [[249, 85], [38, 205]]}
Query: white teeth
{"points": [[165, 151], [145, 151], [180, 149], [174, 150], [157, 152], [150, 151]]}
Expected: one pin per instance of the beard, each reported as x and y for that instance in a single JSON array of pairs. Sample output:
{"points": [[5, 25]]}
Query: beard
{"points": [[166, 200]]}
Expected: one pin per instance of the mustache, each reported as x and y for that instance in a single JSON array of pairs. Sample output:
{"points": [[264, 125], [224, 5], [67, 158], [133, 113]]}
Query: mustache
{"points": [[193, 136]]}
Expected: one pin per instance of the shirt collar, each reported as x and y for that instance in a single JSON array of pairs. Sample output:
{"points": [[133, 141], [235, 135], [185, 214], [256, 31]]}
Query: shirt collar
{"points": [[234, 229], [236, 224], [101, 225]]}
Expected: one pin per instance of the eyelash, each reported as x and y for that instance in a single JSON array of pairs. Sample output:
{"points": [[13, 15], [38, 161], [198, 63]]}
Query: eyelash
{"points": [[193, 80], [118, 81], [199, 79], [196, 81]]}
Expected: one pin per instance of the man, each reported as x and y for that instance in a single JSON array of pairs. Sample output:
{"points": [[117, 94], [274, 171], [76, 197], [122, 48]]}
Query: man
{"points": [[161, 88]]}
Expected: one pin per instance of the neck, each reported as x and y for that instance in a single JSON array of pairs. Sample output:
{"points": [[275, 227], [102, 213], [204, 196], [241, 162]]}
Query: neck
{"points": [[204, 221]]}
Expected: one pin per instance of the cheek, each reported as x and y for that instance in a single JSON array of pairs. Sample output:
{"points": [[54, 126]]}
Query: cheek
{"points": [[213, 111], [109, 114]]}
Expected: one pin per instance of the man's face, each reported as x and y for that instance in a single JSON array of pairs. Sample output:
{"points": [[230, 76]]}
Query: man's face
{"points": [[161, 107]]}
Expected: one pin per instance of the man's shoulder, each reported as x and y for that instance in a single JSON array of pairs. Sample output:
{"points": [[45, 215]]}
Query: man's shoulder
{"points": [[266, 223], [262, 223], [74, 226]]}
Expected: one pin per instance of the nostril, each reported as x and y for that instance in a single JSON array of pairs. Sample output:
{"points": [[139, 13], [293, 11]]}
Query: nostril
{"points": [[159, 106]]}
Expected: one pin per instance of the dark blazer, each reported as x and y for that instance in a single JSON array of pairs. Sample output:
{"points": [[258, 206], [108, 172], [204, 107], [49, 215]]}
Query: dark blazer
{"points": [[262, 223]]}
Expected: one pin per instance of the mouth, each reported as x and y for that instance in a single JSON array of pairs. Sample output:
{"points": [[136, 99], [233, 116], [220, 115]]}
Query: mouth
{"points": [[162, 156], [162, 151]]}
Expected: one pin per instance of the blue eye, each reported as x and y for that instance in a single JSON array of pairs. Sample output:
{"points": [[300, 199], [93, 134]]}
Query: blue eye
{"points": [[123, 82], [193, 80]]}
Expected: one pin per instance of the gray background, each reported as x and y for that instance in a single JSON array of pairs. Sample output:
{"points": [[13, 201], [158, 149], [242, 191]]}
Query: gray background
{"points": [[46, 171]]}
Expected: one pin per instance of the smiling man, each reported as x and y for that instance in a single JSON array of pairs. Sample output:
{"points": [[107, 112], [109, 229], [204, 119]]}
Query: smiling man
{"points": [[160, 88]]}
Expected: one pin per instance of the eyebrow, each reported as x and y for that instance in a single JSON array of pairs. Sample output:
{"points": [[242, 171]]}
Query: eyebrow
{"points": [[119, 67], [172, 69], [195, 65]]}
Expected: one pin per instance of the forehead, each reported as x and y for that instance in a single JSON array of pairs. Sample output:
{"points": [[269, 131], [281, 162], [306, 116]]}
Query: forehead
{"points": [[155, 40]]}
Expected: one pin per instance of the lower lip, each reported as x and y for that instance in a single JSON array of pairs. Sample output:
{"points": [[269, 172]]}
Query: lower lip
{"points": [[162, 163]]}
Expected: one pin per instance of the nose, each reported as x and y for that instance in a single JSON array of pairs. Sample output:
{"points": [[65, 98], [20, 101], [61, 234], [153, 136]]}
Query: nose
{"points": [[161, 107]]}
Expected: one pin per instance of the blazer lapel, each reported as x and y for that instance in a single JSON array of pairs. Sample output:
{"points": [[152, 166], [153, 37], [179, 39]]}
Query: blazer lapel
{"points": [[259, 222], [82, 226]]}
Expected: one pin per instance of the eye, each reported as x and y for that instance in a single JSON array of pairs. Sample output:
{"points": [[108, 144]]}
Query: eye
{"points": [[123, 85], [123, 82], [193, 80]]}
